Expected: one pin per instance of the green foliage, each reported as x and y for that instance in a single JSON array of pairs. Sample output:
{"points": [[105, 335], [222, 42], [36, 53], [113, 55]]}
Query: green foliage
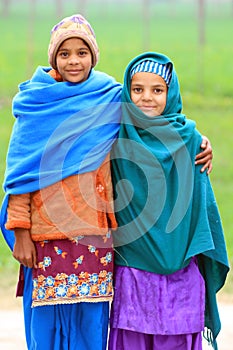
{"points": [[205, 72]]}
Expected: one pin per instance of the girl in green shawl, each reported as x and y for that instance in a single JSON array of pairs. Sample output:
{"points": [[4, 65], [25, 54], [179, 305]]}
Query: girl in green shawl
{"points": [[170, 254]]}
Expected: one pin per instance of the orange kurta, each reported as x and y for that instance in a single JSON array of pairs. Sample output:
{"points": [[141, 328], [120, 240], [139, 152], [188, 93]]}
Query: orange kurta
{"points": [[77, 205]]}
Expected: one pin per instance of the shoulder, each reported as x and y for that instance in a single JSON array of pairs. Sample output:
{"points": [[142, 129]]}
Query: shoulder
{"points": [[104, 77]]}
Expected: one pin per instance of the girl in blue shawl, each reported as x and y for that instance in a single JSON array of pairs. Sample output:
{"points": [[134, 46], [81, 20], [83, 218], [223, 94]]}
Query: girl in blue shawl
{"points": [[57, 214], [170, 254]]}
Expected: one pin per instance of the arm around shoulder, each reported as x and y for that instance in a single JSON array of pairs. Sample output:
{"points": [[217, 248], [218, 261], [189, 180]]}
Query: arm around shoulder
{"points": [[205, 156]]}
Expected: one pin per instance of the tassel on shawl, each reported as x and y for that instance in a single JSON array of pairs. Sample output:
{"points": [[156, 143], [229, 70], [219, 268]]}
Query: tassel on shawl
{"points": [[208, 335]]}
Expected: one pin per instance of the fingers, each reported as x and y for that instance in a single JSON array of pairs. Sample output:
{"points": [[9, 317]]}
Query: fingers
{"points": [[206, 160], [207, 167], [201, 158], [205, 155], [24, 249], [210, 167], [29, 260], [35, 261], [204, 143], [25, 261]]}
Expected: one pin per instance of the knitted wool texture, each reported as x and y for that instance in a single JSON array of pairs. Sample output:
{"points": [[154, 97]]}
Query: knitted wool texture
{"points": [[75, 26]]}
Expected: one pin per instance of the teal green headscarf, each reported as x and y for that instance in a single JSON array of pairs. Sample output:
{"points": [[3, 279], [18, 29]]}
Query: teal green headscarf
{"points": [[165, 208]]}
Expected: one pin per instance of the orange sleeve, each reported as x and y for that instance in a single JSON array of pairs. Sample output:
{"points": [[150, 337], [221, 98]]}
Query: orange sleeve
{"points": [[18, 212]]}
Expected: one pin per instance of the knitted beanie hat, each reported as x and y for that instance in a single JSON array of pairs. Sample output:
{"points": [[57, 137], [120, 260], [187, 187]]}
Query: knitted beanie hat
{"points": [[164, 70], [75, 26]]}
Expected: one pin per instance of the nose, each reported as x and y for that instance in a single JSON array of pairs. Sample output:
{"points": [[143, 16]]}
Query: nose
{"points": [[73, 59], [146, 95]]}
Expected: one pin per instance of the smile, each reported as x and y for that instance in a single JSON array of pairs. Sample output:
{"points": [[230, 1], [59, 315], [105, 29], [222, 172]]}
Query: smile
{"points": [[74, 71], [148, 107]]}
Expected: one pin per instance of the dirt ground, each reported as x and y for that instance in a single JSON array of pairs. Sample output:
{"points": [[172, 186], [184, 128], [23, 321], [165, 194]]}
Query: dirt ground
{"points": [[12, 328]]}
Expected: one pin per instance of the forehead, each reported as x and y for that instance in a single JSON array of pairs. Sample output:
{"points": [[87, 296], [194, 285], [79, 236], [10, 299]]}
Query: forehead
{"points": [[73, 42], [145, 78]]}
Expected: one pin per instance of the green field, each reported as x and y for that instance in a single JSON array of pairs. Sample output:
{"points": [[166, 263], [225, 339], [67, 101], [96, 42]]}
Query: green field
{"points": [[205, 71]]}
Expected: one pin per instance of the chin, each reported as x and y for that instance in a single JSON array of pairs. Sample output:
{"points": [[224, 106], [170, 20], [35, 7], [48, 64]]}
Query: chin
{"points": [[150, 114]]}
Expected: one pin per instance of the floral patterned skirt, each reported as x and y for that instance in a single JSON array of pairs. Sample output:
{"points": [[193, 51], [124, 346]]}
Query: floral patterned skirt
{"points": [[71, 271]]}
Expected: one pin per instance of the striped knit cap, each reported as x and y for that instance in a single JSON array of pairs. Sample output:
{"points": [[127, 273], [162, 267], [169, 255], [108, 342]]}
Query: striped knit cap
{"points": [[75, 26], [164, 70]]}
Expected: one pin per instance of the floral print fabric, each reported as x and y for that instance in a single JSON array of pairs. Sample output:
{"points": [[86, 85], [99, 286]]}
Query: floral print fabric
{"points": [[71, 271]]}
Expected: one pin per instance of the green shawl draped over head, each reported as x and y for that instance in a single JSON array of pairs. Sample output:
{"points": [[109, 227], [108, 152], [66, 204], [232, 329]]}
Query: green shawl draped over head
{"points": [[165, 207]]}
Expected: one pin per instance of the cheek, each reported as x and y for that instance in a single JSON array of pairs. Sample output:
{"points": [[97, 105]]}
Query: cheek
{"points": [[164, 101], [87, 61], [59, 64], [134, 98]]}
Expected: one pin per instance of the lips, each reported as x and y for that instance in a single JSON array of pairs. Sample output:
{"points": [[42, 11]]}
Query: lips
{"points": [[74, 71], [147, 107]]}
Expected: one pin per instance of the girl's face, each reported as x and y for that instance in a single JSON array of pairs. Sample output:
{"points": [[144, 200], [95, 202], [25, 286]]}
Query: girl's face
{"points": [[149, 93], [74, 60]]}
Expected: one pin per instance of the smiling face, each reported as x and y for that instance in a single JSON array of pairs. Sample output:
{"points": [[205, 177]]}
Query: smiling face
{"points": [[149, 93], [74, 60]]}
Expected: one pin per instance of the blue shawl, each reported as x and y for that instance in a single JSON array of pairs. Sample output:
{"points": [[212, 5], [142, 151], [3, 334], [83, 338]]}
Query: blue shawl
{"points": [[165, 208], [61, 129]]}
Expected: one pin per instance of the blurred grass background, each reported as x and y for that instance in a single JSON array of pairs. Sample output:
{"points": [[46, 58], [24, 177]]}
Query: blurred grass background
{"points": [[125, 29]]}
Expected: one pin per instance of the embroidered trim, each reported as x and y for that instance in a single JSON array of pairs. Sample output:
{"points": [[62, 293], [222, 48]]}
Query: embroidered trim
{"points": [[71, 288], [72, 301]]}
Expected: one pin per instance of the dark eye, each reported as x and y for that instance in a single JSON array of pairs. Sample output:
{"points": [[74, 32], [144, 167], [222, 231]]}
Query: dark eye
{"points": [[64, 54], [158, 91], [83, 53], [137, 90]]}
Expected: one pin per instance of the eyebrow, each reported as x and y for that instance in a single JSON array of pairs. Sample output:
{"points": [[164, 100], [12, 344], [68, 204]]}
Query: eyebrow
{"points": [[142, 84], [80, 48]]}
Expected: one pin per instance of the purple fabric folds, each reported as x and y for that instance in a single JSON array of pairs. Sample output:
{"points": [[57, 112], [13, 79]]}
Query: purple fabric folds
{"points": [[149, 303], [122, 339]]}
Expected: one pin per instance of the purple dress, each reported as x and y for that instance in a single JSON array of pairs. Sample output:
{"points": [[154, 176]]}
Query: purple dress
{"points": [[152, 311]]}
